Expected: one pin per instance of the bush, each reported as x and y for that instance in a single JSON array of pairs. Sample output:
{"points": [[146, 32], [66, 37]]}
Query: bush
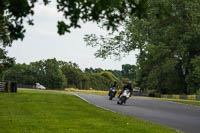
{"points": [[198, 92]]}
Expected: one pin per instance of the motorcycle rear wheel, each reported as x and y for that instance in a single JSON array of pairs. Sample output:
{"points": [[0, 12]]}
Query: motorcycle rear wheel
{"points": [[110, 98]]}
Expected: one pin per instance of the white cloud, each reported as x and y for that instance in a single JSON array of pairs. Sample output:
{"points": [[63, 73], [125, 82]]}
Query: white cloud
{"points": [[47, 11], [42, 32]]}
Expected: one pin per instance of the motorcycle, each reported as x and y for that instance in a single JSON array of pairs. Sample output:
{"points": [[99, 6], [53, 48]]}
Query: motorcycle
{"points": [[124, 96], [112, 93]]}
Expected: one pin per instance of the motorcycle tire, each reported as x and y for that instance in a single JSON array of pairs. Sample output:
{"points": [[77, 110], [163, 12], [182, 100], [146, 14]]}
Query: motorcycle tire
{"points": [[110, 98], [119, 102], [123, 100]]}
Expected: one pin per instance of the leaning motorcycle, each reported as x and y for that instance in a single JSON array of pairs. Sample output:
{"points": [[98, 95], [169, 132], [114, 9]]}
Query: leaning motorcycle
{"points": [[112, 93], [124, 96]]}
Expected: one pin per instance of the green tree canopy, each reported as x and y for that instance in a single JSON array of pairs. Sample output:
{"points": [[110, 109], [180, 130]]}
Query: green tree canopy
{"points": [[73, 74], [168, 42], [5, 62], [129, 71], [110, 13]]}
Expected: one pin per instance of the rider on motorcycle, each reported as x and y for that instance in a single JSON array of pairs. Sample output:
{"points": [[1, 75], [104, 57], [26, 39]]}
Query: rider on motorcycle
{"points": [[114, 85], [127, 86]]}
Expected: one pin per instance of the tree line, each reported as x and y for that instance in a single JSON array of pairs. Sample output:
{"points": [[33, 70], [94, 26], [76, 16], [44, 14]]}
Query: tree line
{"points": [[55, 74]]}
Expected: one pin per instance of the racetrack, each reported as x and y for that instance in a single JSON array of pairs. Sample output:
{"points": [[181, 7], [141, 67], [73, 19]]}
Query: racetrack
{"points": [[179, 116]]}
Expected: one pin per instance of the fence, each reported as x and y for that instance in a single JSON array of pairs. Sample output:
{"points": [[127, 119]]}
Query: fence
{"points": [[26, 86], [2, 86], [186, 97], [8, 86]]}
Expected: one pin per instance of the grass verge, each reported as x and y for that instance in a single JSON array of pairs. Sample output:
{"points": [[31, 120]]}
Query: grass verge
{"points": [[36, 111], [190, 102], [96, 92]]}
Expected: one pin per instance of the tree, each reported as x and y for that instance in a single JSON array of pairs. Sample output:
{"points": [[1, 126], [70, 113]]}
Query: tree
{"points": [[20, 73], [129, 71], [173, 24], [92, 70], [110, 13], [12, 16], [5, 63], [54, 76], [73, 74], [158, 70], [193, 77], [48, 73], [168, 41]]}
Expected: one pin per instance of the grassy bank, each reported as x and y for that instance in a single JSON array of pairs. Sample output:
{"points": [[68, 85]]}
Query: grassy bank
{"points": [[35, 111]]}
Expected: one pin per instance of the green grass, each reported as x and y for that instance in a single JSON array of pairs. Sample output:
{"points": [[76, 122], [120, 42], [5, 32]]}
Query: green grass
{"points": [[35, 111], [191, 102], [96, 92]]}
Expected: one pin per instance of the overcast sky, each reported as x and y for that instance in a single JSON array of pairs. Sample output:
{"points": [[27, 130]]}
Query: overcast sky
{"points": [[42, 42]]}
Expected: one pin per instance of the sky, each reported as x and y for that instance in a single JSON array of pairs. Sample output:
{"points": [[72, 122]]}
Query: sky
{"points": [[42, 42]]}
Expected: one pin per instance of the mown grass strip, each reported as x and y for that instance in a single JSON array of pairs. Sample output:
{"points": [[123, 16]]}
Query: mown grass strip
{"points": [[44, 112]]}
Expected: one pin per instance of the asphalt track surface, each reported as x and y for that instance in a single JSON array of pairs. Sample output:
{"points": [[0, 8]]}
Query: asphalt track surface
{"points": [[178, 116]]}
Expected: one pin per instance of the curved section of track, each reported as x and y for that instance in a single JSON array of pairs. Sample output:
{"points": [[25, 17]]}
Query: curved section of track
{"points": [[182, 117]]}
